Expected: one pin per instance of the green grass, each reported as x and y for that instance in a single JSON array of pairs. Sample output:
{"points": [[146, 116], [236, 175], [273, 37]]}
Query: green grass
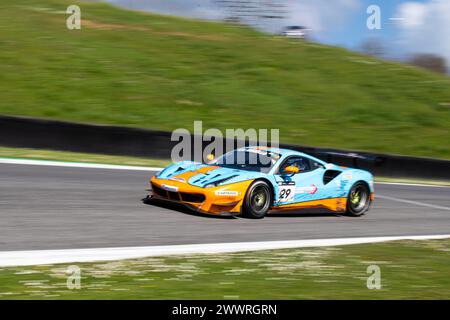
{"points": [[144, 70], [409, 270], [35, 154]]}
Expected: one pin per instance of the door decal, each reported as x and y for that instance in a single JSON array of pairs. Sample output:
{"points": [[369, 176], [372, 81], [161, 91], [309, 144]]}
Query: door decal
{"points": [[311, 189]]}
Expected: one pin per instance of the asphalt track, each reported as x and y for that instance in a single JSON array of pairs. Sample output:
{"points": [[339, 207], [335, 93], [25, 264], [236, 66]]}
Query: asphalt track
{"points": [[46, 207]]}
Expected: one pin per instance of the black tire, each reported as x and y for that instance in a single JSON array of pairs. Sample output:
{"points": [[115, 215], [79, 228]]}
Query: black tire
{"points": [[358, 199], [257, 200]]}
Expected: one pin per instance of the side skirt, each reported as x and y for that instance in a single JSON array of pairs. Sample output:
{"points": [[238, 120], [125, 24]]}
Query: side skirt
{"points": [[333, 204]]}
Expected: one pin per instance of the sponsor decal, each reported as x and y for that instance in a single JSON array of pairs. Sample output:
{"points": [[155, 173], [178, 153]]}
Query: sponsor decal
{"points": [[169, 188], [311, 189], [347, 176], [178, 179], [226, 193], [340, 204], [286, 183]]}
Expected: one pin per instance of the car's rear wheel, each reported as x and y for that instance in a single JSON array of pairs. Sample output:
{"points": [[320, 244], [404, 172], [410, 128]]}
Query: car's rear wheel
{"points": [[257, 200], [358, 200]]}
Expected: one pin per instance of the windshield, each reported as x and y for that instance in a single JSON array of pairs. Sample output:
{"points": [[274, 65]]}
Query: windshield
{"points": [[249, 160]]}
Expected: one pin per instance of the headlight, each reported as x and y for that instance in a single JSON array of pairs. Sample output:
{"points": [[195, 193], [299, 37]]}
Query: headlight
{"points": [[219, 182], [159, 173]]}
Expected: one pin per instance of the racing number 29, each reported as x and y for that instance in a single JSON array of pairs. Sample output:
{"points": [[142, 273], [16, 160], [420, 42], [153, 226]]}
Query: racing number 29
{"points": [[286, 193]]}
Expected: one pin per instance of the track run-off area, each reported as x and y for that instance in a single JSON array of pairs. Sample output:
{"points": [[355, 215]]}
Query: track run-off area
{"points": [[57, 206]]}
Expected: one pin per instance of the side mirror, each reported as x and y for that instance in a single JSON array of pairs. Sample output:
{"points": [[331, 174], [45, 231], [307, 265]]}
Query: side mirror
{"points": [[210, 157], [291, 170]]}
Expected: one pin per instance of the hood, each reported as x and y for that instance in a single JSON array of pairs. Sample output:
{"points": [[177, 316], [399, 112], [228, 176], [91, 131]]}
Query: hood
{"points": [[202, 175]]}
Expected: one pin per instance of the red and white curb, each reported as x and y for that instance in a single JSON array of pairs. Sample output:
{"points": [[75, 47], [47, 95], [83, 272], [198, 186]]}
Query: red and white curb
{"points": [[39, 257]]}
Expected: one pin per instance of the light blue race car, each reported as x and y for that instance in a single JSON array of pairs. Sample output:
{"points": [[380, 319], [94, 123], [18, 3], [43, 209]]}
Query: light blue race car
{"points": [[254, 181]]}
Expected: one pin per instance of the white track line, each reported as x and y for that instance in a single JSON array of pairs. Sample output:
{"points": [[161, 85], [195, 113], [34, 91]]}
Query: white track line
{"points": [[39, 257], [137, 168], [76, 165], [417, 203], [414, 184]]}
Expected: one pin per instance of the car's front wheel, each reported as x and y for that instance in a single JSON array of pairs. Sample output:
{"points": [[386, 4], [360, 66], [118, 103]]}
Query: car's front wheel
{"points": [[257, 200], [358, 200]]}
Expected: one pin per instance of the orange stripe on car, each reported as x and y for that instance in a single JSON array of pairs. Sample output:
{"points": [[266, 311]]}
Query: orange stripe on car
{"points": [[334, 204], [207, 169], [189, 174]]}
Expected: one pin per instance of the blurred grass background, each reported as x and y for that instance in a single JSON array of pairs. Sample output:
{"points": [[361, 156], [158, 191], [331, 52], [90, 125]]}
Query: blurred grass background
{"points": [[152, 71]]}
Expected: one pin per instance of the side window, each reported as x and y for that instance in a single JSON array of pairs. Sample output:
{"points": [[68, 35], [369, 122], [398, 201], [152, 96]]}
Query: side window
{"points": [[315, 165], [301, 163]]}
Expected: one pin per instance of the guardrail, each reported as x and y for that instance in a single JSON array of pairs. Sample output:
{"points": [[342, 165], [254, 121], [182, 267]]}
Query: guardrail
{"points": [[23, 132]]}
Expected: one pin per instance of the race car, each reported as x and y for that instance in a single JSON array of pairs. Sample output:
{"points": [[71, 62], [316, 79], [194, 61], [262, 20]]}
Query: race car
{"points": [[254, 181]]}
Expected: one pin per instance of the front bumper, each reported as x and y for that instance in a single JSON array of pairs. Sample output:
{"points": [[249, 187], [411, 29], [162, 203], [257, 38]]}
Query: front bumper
{"points": [[222, 200]]}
